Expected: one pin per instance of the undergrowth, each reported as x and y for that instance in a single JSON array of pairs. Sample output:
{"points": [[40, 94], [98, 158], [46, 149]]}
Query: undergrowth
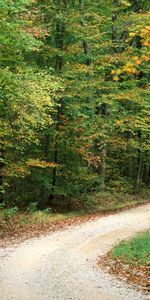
{"points": [[12, 219]]}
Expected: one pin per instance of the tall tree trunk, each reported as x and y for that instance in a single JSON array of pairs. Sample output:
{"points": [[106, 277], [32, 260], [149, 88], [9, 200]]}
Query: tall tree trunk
{"points": [[139, 172], [113, 28], [59, 41], [102, 111], [1, 175], [102, 168]]}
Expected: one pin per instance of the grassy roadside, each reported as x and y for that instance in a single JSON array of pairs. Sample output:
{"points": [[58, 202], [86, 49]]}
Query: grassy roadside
{"points": [[135, 251], [130, 261], [17, 226], [24, 225]]}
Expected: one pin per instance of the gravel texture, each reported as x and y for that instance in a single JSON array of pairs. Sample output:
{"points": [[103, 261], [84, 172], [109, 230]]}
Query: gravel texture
{"points": [[63, 265]]}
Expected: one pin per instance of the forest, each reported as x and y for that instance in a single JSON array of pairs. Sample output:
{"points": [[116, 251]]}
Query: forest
{"points": [[75, 100]]}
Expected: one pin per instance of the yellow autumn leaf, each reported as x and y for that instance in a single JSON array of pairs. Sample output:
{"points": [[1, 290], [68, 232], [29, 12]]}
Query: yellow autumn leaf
{"points": [[147, 44], [118, 72], [133, 70], [119, 122], [129, 64], [132, 34], [135, 57], [147, 27], [145, 58], [116, 78], [41, 163], [139, 62]]}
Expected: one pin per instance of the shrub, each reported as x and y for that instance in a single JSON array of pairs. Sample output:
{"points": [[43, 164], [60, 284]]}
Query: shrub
{"points": [[10, 212], [32, 207]]}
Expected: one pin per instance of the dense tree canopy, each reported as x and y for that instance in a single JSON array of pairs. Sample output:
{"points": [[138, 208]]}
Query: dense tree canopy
{"points": [[74, 90]]}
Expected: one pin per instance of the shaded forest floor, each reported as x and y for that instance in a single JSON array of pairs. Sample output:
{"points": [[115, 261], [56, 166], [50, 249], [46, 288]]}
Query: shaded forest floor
{"points": [[130, 261], [17, 226]]}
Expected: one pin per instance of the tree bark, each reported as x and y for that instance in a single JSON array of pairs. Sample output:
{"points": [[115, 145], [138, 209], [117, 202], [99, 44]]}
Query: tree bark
{"points": [[137, 188]]}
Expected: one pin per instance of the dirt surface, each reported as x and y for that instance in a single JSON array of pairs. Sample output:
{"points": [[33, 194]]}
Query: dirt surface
{"points": [[63, 264]]}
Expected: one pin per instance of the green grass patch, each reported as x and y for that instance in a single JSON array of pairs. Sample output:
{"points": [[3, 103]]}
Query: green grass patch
{"points": [[134, 251]]}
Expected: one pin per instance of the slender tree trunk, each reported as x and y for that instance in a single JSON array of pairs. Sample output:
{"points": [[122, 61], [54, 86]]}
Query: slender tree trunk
{"points": [[6, 115], [139, 172], [59, 40], [146, 169], [1, 176], [102, 168], [102, 111], [114, 29]]}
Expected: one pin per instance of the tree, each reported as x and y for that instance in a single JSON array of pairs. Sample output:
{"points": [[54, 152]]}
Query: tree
{"points": [[26, 96], [75, 95]]}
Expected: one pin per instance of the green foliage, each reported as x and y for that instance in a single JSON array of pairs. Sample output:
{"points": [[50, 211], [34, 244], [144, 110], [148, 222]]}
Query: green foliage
{"points": [[32, 207], [10, 212], [47, 210], [110, 200], [2, 205], [134, 251], [74, 99]]}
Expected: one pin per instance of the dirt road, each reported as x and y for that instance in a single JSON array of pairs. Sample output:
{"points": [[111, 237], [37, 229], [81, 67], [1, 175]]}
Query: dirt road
{"points": [[62, 265]]}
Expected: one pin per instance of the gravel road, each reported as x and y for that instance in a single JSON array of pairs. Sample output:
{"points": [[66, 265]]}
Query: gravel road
{"points": [[63, 265]]}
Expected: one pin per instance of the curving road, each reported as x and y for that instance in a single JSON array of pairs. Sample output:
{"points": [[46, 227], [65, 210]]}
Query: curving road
{"points": [[62, 265]]}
